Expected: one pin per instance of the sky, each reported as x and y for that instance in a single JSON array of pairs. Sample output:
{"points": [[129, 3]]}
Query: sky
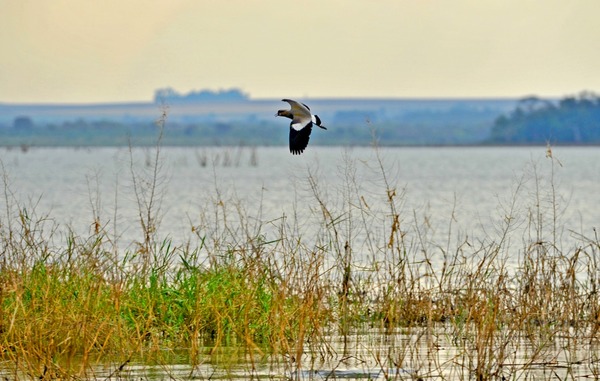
{"points": [[76, 51]]}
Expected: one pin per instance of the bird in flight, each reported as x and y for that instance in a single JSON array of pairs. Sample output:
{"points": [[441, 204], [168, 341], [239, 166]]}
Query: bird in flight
{"points": [[300, 126]]}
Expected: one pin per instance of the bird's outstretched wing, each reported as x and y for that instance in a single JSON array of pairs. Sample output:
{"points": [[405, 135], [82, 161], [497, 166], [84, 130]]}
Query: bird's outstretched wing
{"points": [[302, 116], [299, 139]]}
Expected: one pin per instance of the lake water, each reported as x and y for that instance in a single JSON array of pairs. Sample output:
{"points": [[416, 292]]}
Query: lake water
{"points": [[455, 191], [425, 354]]}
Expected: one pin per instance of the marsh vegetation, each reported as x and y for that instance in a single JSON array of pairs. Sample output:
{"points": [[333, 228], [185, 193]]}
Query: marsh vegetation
{"points": [[358, 287]]}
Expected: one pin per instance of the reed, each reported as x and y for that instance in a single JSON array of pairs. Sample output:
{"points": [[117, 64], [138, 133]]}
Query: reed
{"points": [[358, 267]]}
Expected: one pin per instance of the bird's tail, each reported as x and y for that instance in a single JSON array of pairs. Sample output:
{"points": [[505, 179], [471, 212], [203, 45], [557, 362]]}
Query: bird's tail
{"points": [[316, 120]]}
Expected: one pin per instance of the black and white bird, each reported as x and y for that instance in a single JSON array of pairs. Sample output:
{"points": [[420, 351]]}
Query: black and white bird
{"points": [[300, 126]]}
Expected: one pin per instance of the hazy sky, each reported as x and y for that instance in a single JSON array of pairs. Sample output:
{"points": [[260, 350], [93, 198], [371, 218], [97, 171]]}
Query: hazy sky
{"points": [[122, 50]]}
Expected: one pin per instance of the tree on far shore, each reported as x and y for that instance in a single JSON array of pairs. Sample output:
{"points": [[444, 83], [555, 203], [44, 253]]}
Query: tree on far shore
{"points": [[572, 120]]}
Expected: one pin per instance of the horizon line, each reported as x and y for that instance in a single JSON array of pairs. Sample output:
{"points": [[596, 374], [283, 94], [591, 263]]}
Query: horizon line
{"points": [[277, 99]]}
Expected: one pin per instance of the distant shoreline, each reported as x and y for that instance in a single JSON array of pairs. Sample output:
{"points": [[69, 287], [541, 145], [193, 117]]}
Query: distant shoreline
{"points": [[259, 100], [396, 122]]}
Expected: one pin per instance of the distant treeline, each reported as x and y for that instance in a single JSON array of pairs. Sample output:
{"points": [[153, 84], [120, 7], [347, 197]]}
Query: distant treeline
{"points": [[452, 127], [108, 133], [169, 95], [573, 120]]}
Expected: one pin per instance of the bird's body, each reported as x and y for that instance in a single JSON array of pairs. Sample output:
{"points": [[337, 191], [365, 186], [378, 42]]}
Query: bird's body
{"points": [[300, 126]]}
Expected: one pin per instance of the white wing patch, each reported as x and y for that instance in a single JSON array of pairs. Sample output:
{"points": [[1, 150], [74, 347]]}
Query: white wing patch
{"points": [[297, 126]]}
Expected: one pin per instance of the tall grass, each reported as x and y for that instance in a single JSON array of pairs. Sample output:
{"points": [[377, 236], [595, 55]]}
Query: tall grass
{"points": [[360, 270]]}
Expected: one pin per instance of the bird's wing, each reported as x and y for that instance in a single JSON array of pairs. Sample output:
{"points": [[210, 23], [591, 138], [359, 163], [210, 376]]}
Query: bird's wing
{"points": [[299, 139], [301, 113]]}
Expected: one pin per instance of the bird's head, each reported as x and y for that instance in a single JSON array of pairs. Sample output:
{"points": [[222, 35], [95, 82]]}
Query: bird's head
{"points": [[285, 113]]}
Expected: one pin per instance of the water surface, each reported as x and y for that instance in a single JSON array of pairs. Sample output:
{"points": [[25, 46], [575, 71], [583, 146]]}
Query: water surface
{"points": [[455, 191]]}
